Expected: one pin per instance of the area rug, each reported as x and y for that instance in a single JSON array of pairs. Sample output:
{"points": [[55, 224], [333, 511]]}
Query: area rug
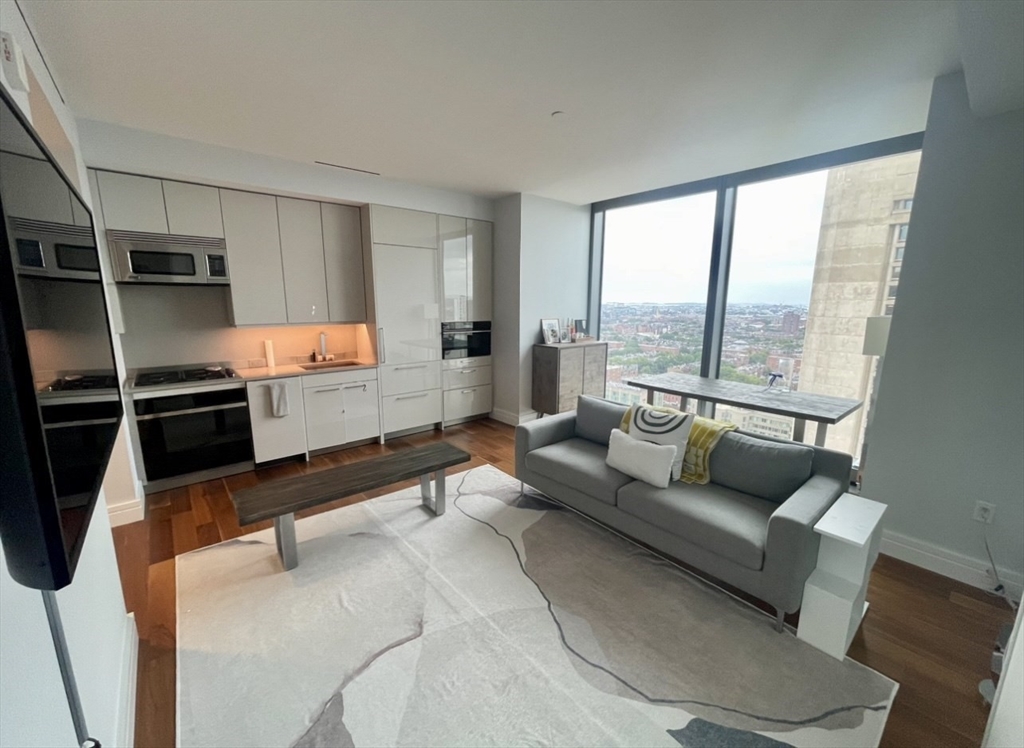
{"points": [[507, 621]]}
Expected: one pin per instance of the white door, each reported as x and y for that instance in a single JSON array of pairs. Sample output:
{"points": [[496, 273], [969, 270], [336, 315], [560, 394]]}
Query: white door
{"points": [[325, 416], [403, 227], [455, 271], [408, 313], [302, 253], [33, 189], [276, 436], [193, 209], [254, 258], [479, 258], [362, 420], [132, 203], [343, 261]]}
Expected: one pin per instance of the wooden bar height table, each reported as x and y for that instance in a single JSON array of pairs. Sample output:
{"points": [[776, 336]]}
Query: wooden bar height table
{"points": [[801, 406]]}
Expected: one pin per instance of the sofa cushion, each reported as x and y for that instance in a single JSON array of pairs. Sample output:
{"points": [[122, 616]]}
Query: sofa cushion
{"points": [[759, 467], [646, 461], [595, 418], [581, 464], [731, 524]]}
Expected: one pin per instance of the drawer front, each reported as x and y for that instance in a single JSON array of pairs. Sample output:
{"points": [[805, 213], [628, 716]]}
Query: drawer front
{"points": [[402, 378], [410, 410], [466, 402], [465, 363], [473, 376], [325, 416], [338, 377]]}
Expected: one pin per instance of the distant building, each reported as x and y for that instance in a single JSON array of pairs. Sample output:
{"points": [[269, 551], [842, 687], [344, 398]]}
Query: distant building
{"points": [[864, 224], [791, 323]]}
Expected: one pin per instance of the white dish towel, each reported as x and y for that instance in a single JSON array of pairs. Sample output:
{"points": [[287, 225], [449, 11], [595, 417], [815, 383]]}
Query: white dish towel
{"points": [[279, 399]]}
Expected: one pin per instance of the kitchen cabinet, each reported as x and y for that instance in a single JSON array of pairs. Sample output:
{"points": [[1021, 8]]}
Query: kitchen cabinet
{"points": [[402, 227], [408, 312], [343, 262], [193, 209], [274, 437], [79, 215], [466, 255], [340, 407], [302, 255], [403, 378], [479, 263], [412, 410], [467, 388], [254, 256], [33, 189], [132, 203]]}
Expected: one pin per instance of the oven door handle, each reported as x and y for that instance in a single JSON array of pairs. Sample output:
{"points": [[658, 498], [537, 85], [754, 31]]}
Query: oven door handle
{"points": [[190, 411], [89, 422]]}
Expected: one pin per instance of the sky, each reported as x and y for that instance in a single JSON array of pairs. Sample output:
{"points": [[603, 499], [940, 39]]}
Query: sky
{"points": [[661, 252]]}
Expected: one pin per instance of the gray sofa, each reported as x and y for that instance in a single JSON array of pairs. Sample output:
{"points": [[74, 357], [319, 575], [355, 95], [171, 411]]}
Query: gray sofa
{"points": [[750, 527]]}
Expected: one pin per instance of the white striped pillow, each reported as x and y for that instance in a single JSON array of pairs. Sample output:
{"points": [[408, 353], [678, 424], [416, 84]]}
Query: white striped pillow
{"points": [[663, 426]]}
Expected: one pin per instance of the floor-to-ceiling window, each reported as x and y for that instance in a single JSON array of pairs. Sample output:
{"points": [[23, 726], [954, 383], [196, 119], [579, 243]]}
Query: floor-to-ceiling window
{"points": [[657, 258], [803, 257]]}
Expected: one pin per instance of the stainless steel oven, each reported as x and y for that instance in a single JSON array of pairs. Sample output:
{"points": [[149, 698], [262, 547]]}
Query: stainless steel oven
{"points": [[465, 339], [54, 250], [156, 258]]}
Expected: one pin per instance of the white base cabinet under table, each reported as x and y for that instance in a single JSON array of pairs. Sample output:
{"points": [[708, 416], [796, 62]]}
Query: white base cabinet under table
{"points": [[834, 595]]}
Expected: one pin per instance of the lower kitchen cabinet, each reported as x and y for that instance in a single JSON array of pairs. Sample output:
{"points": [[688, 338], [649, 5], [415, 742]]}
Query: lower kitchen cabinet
{"points": [[412, 410], [341, 407], [282, 434], [467, 402]]}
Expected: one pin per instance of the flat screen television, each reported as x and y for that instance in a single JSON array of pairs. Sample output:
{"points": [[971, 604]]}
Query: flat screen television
{"points": [[60, 403]]}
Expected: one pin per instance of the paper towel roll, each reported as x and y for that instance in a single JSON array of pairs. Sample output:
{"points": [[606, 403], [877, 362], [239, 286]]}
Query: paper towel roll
{"points": [[268, 346]]}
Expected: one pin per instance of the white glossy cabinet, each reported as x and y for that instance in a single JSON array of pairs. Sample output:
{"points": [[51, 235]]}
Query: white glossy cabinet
{"points": [[403, 378], [193, 209], [341, 407], [302, 253], [33, 189], [402, 227], [412, 410], [479, 259], [408, 312], [132, 203], [467, 388], [362, 415], [254, 257], [274, 437], [467, 402], [325, 416], [343, 261]]}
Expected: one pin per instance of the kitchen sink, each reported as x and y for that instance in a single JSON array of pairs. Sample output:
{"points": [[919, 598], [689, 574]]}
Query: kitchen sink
{"points": [[328, 365]]}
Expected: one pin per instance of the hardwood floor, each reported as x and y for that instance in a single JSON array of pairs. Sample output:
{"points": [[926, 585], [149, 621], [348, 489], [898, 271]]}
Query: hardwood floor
{"points": [[931, 634]]}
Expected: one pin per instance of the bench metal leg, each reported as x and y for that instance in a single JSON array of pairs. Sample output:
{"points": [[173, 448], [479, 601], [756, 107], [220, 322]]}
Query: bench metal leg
{"points": [[284, 534], [434, 503]]}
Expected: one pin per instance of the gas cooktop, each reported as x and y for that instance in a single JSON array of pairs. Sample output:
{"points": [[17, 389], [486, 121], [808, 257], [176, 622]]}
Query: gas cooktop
{"points": [[174, 376], [76, 382]]}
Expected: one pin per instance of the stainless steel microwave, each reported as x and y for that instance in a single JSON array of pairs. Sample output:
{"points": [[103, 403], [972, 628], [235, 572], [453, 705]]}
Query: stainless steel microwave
{"points": [[159, 258], [54, 250]]}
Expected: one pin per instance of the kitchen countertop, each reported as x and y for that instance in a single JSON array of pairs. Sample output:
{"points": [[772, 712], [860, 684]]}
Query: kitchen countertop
{"points": [[243, 376]]}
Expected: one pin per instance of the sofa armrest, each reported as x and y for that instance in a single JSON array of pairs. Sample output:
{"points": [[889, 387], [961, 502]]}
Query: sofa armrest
{"points": [[542, 432], [791, 548]]}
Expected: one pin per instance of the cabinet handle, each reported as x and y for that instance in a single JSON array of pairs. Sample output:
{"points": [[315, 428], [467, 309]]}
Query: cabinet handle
{"points": [[380, 345], [411, 366], [328, 389], [354, 386], [411, 397], [468, 371], [465, 391]]}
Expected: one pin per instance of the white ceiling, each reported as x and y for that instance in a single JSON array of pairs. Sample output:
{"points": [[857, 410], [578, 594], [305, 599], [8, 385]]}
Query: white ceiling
{"points": [[459, 94], [991, 38]]}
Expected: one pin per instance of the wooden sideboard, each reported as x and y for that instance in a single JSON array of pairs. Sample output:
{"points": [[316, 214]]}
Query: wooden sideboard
{"points": [[562, 372]]}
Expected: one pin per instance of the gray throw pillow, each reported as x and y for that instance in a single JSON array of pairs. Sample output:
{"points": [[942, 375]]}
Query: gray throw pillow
{"points": [[595, 418], [770, 470]]}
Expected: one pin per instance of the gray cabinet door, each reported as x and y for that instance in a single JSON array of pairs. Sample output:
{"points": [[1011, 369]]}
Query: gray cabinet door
{"points": [[402, 227], [254, 258], [408, 317], [302, 253], [132, 203], [343, 262], [33, 189], [595, 363], [454, 268], [479, 252], [193, 209]]}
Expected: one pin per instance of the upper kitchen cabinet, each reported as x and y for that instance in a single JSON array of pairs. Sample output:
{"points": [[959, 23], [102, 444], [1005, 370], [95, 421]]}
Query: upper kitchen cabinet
{"points": [[33, 189], [302, 253], [479, 253], [254, 256], [132, 203], [404, 228], [454, 268], [193, 210], [343, 262]]}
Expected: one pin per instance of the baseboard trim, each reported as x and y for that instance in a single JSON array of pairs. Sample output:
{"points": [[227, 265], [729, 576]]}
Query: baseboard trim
{"points": [[126, 512], [129, 684], [504, 416], [972, 571]]}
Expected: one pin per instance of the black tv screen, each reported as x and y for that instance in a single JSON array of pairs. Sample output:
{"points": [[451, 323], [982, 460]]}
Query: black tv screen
{"points": [[60, 402]]}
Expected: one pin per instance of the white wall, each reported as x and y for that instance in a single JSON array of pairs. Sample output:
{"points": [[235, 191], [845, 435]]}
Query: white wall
{"points": [[33, 708], [949, 426], [109, 146], [541, 270]]}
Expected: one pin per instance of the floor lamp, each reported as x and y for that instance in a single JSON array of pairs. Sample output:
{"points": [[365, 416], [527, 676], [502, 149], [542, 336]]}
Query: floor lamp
{"points": [[876, 337]]}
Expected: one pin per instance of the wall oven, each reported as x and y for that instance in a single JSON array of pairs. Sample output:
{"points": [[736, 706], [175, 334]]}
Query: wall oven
{"points": [[465, 339], [156, 258], [54, 250], [193, 436]]}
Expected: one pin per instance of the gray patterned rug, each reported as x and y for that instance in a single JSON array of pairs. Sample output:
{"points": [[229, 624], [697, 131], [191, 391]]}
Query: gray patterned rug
{"points": [[507, 621]]}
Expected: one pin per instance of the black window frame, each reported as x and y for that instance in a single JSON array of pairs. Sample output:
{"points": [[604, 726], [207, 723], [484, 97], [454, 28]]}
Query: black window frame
{"points": [[725, 188]]}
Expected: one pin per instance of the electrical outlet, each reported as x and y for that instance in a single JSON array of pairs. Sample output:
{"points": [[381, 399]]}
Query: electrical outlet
{"points": [[983, 512]]}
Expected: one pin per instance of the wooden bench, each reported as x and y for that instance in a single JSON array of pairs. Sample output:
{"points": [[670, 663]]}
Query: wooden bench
{"points": [[279, 500]]}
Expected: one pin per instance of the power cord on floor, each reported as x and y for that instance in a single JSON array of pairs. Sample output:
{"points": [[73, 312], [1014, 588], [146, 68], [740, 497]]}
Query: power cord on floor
{"points": [[1000, 589]]}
